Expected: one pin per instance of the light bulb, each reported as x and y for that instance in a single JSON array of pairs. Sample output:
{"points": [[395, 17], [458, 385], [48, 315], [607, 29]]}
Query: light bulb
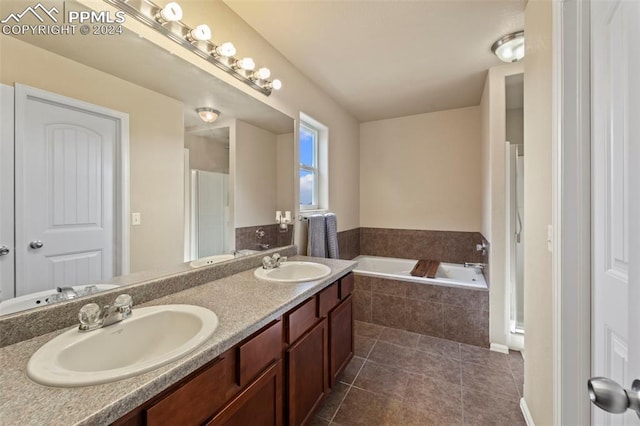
{"points": [[507, 53], [275, 84], [170, 13], [262, 74], [519, 52], [200, 33], [226, 49], [246, 64]]}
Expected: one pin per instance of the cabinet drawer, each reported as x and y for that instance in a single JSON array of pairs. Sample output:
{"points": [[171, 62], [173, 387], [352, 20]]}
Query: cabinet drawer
{"points": [[197, 399], [346, 286], [259, 352], [301, 319], [328, 299]]}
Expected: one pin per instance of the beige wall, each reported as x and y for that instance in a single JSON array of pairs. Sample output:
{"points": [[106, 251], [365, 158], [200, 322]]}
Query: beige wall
{"points": [[538, 298], [256, 175], [156, 142], [298, 94], [494, 220], [422, 171], [207, 154]]}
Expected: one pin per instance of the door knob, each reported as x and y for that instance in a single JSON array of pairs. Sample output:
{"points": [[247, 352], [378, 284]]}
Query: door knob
{"points": [[613, 398], [37, 244], [4, 250]]}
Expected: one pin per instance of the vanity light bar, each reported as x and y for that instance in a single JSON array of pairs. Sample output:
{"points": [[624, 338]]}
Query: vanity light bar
{"points": [[197, 40]]}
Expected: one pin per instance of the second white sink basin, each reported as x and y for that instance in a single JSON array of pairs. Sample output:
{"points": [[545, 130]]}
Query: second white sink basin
{"points": [[293, 272], [150, 338]]}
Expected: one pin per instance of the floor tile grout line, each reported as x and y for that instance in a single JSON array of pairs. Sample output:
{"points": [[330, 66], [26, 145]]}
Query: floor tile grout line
{"points": [[352, 382]]}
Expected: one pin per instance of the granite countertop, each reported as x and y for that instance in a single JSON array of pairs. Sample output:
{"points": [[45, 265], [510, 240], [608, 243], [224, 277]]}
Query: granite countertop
{"points": [[243, 305]]}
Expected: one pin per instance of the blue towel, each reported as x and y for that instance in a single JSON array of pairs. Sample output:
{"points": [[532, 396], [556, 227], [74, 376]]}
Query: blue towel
{"points": [[317, 243], [332, 235]]}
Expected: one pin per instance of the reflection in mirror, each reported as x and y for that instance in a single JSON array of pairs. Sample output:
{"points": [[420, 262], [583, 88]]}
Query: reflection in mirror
{"points": [[211, 228], [130, 182]]}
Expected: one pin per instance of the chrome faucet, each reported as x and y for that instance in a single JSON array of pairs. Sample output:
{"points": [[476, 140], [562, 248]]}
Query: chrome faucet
{"points": [[92, 317], [66, 293], [474, 265], [273, 262]]}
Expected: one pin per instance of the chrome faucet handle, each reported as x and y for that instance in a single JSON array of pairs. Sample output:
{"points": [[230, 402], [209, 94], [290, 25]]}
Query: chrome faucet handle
{"points": [[123, 304], [267, 262], [90, 317], [279, 259]]}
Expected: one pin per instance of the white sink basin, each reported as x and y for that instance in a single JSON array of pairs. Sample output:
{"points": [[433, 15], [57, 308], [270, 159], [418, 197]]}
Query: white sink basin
{"points": [[293, 272], [150, 338]]}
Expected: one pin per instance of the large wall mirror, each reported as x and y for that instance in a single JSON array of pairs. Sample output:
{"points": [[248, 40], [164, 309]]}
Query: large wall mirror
{"points": [[115, 174]]}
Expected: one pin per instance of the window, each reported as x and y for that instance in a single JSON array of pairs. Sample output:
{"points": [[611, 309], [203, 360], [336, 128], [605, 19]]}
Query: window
{"points": [[309, 169]]}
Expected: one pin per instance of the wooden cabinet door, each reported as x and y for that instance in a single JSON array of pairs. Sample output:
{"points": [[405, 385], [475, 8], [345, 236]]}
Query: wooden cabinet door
{"points": [[260, 404], [340, 338], [308, 374]]}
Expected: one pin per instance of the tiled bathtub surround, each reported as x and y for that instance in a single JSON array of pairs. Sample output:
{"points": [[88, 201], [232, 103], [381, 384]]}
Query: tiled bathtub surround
{"points": [[246, 237], [349, 243], [445, 246], [457, 314]]}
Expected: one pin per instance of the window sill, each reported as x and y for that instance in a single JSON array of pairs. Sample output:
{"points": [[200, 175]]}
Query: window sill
{"points": [[309, 212]]}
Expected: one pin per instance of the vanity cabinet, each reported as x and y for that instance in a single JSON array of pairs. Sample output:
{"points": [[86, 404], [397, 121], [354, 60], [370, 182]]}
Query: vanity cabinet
{"points": [[259, 404], [306, 360], [279, 375], [340, 338]]}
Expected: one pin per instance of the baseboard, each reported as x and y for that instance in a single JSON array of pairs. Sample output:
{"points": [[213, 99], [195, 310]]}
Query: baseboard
{"points": [[497, 347], [526, 413]]}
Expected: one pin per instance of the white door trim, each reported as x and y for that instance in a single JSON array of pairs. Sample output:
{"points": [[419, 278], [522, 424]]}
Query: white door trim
{"points": [[122, 243], [7, 265], [571, 212]]}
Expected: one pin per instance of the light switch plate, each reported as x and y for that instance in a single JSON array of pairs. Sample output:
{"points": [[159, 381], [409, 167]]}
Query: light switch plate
{"points": [[135, 219]]}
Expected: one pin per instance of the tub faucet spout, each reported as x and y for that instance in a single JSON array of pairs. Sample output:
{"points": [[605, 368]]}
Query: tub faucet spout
{"points": [[474, 265]]}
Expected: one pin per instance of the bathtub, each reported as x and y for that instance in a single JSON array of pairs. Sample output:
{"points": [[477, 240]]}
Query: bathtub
{"points": [[448, 274]]}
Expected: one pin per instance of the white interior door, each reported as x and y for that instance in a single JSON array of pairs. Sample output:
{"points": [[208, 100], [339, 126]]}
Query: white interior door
{"points": [[65, 191], [616, 237], [7, 252]]}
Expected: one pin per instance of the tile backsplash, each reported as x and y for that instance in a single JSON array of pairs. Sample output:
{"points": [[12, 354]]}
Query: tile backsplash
{"points": [[445, 246], [246, 237], [349, 243]]}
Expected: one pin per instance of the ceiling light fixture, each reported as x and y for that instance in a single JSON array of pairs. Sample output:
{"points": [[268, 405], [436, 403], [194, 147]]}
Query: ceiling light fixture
{"points": [[510, 48], [197, 41], [208, 115], [170, 13]]}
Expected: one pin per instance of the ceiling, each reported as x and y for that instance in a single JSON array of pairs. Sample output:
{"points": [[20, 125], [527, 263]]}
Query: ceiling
{"points": [[384, 59]]}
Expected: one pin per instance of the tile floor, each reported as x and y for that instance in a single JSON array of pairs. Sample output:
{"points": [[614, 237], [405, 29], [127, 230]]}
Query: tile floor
{"points": [[403, 378]]}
